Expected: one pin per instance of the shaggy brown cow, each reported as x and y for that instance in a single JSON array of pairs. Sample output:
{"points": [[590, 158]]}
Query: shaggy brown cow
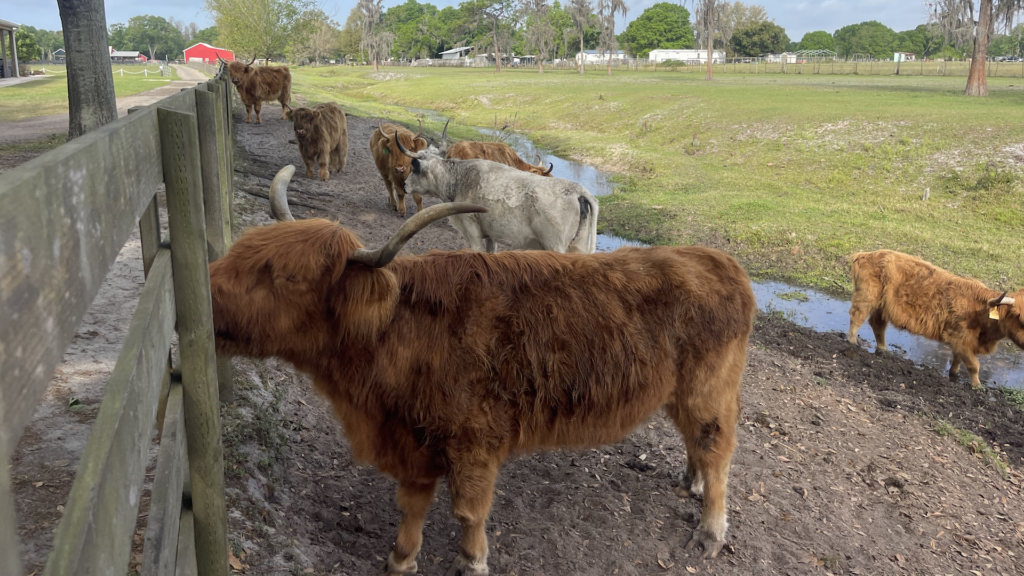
{"points": [[322, 134], [259, 84], [495, 152], [394, 167], [891, 287], [447, 364]]}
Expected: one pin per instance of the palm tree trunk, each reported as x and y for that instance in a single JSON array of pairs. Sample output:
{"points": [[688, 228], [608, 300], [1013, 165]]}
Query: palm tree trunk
{"points": [[711, 47], [583, 61], [976, 83], [91, 100]]}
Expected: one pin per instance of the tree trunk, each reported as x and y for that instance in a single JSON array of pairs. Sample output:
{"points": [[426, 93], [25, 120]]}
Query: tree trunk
{"points": [[91, 100], [497, 57], [976, 83], [375, 65], [711, 50], [540, 66], [609, 61], [583, 60]]}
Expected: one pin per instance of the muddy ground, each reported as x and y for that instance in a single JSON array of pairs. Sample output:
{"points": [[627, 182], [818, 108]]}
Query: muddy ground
{"points": [[838, 469]]}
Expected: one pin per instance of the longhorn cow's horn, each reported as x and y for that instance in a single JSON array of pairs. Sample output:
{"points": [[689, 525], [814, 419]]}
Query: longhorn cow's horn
{"points": [[386, 253], [444, 136], [279, 194], [1004, 300], [253, 60], [540, 161], [221, 59], [406, 152], [420, 133], [550, 168]]}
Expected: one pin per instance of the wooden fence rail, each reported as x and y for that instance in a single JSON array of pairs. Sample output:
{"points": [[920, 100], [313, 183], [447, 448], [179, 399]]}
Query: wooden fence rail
{"points": [[68, 214]]}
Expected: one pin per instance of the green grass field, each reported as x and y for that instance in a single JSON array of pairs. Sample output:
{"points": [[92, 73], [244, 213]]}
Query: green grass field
{"points": [[788, 173], [50, 95]]}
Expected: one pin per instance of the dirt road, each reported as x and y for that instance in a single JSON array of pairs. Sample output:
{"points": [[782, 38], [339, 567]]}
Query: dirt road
{"points": [[40, 127]]}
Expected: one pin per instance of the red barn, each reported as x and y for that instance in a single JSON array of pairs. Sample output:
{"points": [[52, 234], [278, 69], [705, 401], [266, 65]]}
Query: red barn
{"points": [[203, 52]]}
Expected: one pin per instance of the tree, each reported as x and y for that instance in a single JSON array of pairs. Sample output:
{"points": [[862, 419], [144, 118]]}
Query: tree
{"points": [[956, 19], [580, 11], [320, 41], [207, 36], [49, 41], [763, 38], [606, 11], [562, 26], [91, 101], [1011, 44], [869, 37], [257, 28], [540, 34], [663, 25], [706, 17], [351, 35], [495, 12], [819, 40], [28, 50], [155, 35], [737, 16], [377, 41]]}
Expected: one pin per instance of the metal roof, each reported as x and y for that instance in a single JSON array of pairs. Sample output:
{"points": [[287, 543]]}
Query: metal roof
{"points": [[7, 24]]}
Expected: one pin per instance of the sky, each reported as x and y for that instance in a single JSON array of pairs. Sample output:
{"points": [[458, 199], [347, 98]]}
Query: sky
{"points": [[797, 17]]}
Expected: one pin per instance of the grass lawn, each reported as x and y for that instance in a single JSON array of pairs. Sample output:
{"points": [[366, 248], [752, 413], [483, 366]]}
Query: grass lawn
{"points": [[788, 173], [50, 95]]}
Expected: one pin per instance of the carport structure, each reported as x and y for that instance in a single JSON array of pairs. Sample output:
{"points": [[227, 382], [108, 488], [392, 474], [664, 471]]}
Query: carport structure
{"points": [[8, 56]]}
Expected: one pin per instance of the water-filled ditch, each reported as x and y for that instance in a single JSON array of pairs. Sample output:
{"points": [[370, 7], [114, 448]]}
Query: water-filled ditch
{"points": [[803, 306]]}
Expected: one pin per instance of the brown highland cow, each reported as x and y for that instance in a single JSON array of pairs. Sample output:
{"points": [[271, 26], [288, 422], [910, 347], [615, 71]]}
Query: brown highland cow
{"points": [[495, 152], [923, 299], [259, 84], [322, 134], [394, 166]]}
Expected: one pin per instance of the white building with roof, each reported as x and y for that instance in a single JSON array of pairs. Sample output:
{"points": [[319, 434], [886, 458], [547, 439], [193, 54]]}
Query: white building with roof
{"points": [[597, 57], [690, 55]]}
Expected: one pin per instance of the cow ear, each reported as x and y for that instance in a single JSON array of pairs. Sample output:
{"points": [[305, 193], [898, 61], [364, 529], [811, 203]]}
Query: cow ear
{"points": [[248, 69], [420, 144], [365, 301]]}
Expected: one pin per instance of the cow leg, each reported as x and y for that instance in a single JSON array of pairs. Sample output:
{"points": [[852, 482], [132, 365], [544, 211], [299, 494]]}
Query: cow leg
{"points": [[692, 483], [419, 202], [471, 484], [706, 409], [248, 113], [400, 192], [324, 159], [973, 366], [490, 246], [414, 501], [308, 160], [259, 117], [954, 368], [391, 194], [878, 325]]}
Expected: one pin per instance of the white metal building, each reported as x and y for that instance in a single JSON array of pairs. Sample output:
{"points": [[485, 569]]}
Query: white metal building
{"points": [[456, 53], [687, 55], [596, 57]]}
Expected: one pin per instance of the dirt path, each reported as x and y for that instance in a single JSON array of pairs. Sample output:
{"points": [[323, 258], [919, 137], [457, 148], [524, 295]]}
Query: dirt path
{"points": [[838, 469], [40, 127]]}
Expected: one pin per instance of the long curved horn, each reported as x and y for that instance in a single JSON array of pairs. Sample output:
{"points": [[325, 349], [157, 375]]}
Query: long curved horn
{"points": [[221, 59], [540, 161], [386, 253], [1001, 300], [444, 136], [253, 60], [420, 133], [550, 168], [406, 152], [279, 194]]}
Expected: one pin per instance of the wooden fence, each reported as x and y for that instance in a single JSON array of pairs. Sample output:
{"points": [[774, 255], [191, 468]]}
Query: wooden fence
{"points": [[66, 216]]}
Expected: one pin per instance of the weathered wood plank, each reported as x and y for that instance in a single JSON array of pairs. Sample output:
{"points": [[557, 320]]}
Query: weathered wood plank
{"points": [[94, 536], [161, 544], [149, 233], [186, 561], [179, 137], [66, 216], [9, 549]]}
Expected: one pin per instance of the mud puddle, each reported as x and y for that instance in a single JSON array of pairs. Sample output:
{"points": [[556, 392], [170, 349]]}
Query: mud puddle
{"points": [[809, 308]]}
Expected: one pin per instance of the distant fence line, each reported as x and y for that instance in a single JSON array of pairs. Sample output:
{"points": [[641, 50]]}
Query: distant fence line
{"points": [[826, 66], [207, 69]]}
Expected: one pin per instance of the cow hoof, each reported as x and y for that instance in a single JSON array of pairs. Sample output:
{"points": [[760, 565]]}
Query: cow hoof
{"points": [[392, 569], [465, 567], [310, 174], [954, 377], [705, 541]]}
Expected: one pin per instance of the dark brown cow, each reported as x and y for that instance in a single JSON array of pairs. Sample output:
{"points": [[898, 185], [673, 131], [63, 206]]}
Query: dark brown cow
{"points": [[394, 167], [259, 84], [495, 152], [447, 364], [891, 287], [322, 135]]}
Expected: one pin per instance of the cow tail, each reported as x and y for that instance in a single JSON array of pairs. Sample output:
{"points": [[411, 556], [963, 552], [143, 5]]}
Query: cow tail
{"points": [[588, 220]]}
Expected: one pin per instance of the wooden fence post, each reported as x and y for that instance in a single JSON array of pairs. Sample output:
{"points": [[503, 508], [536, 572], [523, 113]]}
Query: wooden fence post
{"points": [[218, 221], [10, 550], [179, 144]]}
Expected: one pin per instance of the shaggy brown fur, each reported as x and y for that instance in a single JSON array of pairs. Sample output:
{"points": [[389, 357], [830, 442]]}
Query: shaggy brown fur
{"points": [[394, 167], [322, 134], [445, 365], [909, 293], [495, 152], [259, 84]]}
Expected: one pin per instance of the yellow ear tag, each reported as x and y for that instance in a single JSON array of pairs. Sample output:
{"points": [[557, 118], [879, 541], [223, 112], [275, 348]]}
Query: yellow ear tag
{"points": [[993, 313]]}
